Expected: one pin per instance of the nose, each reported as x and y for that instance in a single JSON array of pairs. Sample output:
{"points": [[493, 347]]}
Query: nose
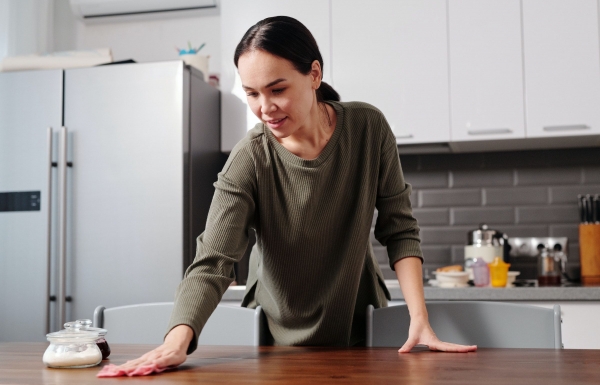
{"points": [[267, 106]]}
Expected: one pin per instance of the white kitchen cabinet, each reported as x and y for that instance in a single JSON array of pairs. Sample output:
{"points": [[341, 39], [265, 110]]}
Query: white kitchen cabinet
{"points": [[237, 16], [562, 67], [486, 73], [393, 55]]}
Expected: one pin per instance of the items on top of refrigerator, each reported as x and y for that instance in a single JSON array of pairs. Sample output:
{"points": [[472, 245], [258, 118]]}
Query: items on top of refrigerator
{"points": [[57, 60]]}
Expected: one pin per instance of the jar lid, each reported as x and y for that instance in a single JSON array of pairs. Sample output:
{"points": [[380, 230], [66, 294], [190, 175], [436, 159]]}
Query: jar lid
{"points": [[498, 262], [86, 324], [78, 330], [484, 236]]}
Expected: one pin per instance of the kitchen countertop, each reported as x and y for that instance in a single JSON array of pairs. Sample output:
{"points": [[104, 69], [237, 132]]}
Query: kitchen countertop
{"points": [[567, 293]]}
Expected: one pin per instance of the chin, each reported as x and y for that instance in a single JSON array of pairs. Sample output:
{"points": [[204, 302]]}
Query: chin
{"points": [[279, 134]]}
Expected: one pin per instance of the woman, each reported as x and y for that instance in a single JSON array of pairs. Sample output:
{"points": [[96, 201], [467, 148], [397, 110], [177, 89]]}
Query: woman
{"points": [[307, 180]]}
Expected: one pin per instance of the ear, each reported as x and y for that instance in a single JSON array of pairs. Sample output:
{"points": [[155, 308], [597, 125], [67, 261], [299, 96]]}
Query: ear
{"points": [[316, 74]]}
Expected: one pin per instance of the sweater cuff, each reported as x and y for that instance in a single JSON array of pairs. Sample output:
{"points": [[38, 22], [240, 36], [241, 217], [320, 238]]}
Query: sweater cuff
{"points": [[193, 343], [403, 249]]}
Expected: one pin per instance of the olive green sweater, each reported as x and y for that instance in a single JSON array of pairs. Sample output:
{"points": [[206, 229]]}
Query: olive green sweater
{"points": [[312, 270]]}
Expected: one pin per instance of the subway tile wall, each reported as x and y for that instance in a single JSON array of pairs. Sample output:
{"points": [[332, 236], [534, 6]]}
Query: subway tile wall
{"points": [[521, 193]]}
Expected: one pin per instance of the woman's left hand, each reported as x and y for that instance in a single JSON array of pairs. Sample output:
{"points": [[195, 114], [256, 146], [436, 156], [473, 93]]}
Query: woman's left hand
{"points": [[420, 332]]}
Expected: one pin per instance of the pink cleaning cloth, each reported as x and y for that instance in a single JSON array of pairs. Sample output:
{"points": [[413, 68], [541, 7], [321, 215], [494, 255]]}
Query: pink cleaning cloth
{"points": [[111, 370]]}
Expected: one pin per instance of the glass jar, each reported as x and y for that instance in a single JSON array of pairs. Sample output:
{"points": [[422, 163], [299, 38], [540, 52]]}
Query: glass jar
{"points": [[481, 273], [86, 324], [551, 264], [73, 347]]}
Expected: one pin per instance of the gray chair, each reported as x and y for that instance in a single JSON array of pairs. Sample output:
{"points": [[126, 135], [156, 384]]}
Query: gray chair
{"points": [[485, 324], [147, 324]]}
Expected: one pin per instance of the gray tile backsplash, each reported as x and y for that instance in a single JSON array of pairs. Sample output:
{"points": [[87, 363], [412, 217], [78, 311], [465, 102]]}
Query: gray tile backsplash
{"points": [[522, 193], [591, 175], [478, 178], [514, 196], [547, 214], [447, 197], [432, 216], [553, 176], [476, 215], [568, 194]]}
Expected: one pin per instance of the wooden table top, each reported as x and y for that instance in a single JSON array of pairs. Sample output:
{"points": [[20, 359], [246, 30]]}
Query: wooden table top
{"points": [[21, 363]]}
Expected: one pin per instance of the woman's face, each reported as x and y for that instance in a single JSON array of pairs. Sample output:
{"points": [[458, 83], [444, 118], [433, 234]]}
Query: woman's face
{"points": [[275, 90]]}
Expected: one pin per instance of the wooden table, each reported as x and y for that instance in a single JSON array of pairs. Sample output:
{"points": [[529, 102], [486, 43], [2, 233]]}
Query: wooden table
{"points": [[21, 363]]}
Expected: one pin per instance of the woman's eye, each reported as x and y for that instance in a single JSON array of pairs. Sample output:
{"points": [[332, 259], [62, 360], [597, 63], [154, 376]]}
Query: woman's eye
{"points": [[251, 94], [278, 91]]}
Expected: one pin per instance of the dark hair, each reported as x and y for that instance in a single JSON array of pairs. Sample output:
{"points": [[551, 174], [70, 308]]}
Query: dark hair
{"points": [[287, 38]]}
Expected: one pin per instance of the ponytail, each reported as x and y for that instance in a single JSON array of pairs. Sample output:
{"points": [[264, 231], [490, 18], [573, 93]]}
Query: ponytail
{"points": [[326, 92]]}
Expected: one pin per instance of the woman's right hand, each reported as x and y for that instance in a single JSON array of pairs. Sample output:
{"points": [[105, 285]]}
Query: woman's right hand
{"points": [[171, 353]]}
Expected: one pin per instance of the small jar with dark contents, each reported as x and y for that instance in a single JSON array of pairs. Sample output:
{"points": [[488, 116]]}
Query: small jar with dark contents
{"points": [[86, 324]]}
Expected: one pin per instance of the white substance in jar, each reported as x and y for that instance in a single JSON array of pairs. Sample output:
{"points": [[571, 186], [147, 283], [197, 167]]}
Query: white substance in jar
{"points": [[90, 356]]}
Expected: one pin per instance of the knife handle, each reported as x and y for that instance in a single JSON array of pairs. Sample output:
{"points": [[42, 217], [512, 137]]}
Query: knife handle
{"points": [[581, 207], [596, 209], [590, 208]]}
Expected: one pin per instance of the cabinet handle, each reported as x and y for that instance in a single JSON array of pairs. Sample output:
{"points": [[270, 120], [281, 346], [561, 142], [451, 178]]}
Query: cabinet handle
{"points": [[62, 255], [49, 241], [404, 136], [567, 127], [490, 131]]}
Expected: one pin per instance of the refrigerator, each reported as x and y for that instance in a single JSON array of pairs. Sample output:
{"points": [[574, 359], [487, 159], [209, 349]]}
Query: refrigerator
{"points": [[106, 178]]}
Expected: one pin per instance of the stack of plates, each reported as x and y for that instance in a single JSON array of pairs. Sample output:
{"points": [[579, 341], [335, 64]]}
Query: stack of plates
{"points": [[450, 279]]}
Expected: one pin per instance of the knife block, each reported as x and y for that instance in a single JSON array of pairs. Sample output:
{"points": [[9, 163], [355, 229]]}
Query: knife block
{"points": [[589, 253]]}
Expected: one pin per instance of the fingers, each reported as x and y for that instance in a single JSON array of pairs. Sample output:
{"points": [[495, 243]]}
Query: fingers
{"points": [[160, 357], [408, 345], [438, 346], [450, 347]]}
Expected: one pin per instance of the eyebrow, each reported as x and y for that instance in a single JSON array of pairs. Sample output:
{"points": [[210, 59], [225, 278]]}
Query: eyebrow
{"points": [[267, 86]]}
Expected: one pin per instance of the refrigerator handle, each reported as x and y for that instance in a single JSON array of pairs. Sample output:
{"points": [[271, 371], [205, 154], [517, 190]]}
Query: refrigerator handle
{"points": [[62, 254], [49, 239]]}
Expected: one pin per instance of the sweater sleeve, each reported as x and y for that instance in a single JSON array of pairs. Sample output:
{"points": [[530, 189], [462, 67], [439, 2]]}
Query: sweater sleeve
{"points": [[396, 228], [223, 242]]}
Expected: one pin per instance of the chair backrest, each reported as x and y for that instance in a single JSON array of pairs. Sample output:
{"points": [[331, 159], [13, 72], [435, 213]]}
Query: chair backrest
{"points": [[147, 324], [485, 324]]}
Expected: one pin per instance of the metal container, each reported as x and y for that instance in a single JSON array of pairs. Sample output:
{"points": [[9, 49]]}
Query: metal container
{"points": [[486, 244]]}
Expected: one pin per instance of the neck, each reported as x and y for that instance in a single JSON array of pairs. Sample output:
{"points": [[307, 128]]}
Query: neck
{"points": [[310, 139]]}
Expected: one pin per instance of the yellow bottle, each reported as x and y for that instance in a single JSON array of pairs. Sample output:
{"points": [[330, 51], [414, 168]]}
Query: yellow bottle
{"points": [[498, 272]]}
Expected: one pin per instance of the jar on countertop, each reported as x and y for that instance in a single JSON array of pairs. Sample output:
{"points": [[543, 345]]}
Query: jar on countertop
{"points": [[78, 345], [498, 272], [86, 324]]}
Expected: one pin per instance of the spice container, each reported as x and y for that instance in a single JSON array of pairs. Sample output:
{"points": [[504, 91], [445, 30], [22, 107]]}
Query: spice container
{"points": [[74, 347], [481, 273], [499, 272]]}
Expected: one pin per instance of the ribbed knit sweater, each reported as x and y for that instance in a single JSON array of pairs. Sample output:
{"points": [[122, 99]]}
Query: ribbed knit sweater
{"points": [[312, 269]]}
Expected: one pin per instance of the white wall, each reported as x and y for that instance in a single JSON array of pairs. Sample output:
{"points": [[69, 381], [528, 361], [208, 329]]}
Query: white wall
{"points": [[25, 27], [3, 28], [143, 40]]}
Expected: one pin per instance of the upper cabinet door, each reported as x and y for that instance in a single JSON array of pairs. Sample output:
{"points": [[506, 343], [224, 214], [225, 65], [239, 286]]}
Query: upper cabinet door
{"points": [[562, 67], [393, 55], [486, 70], [237, 16]]}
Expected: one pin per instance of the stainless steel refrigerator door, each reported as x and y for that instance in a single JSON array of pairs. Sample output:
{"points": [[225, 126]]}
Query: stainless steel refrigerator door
{"points": [[127, 130], [30, 103]]}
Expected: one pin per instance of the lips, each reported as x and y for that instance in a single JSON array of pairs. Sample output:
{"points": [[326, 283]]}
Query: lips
{"points": [[276, 123]]}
